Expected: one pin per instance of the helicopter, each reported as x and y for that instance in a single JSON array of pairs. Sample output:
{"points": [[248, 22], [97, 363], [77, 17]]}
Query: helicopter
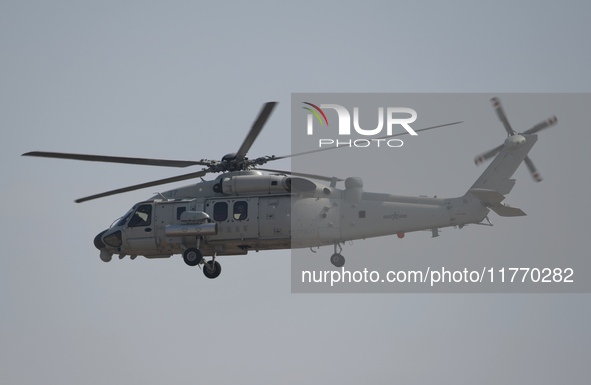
{"points": [[243, 209]]}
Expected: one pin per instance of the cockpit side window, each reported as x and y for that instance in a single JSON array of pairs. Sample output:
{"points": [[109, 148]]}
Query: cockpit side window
{"points": [[141, 217]]}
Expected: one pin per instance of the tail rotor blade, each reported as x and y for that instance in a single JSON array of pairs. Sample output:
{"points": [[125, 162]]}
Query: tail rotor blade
{"points": [[540, 126], [532, 169], [487, 155], [501, 114]]}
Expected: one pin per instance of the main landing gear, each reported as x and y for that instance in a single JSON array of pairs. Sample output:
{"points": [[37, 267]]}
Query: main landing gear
{"points": [[193, 257], [337, 259], [212, 269]]}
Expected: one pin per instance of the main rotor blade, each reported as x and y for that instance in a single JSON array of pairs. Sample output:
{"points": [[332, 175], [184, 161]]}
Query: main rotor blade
{"points": [[540, 126], [481, 158], [501, 114], [532, 169], [312, 176], [383, 137], [256, 128], [143, 185], [116, 159]]}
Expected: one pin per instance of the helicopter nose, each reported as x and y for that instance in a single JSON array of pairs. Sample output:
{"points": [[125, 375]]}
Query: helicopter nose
{"points": [[98, 240]]}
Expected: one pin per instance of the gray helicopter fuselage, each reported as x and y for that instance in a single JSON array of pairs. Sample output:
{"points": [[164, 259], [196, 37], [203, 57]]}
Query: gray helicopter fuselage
{"points": [[247, 211]]}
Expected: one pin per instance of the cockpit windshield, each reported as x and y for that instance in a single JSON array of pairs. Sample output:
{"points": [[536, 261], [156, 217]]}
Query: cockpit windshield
{"points": [[121, 221], [141, 215]]}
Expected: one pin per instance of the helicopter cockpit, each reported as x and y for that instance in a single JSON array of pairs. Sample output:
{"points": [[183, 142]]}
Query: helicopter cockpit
{"points": [[140, 215]]}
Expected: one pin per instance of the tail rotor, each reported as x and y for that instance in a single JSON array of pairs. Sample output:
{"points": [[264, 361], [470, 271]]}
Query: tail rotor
{"points": [[515, 139]]}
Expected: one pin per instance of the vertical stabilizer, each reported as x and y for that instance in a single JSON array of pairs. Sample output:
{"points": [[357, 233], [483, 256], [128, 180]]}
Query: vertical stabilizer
{"points": [[497, 175]]}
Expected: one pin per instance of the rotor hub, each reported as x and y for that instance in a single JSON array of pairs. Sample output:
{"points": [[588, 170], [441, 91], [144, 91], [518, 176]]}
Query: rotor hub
{"points": [[514, 140], [229, 157]]}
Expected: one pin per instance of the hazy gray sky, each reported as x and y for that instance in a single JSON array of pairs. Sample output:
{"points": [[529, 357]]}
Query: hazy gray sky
{"points": [[185, 80]]}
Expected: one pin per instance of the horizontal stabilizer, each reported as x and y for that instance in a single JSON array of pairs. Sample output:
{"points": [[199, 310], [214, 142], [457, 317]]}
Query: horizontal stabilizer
{"points": [[490, 197], [506, 211]]}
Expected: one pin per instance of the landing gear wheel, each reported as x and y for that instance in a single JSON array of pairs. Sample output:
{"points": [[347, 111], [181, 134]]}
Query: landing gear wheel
{"points": [[337, 259], [212, 269], [192, 256]]}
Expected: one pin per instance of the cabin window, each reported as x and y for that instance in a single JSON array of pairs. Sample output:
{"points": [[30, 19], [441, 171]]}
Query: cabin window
{"points": [[141, 217], [240, 210], [179, 211], [220, 211]]}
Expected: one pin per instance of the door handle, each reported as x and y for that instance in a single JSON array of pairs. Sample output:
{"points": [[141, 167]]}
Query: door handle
{"points": [[148, 229]]}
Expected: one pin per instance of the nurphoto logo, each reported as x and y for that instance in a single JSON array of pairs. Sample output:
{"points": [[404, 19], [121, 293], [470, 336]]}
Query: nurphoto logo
{"points": [[394, 116]]}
